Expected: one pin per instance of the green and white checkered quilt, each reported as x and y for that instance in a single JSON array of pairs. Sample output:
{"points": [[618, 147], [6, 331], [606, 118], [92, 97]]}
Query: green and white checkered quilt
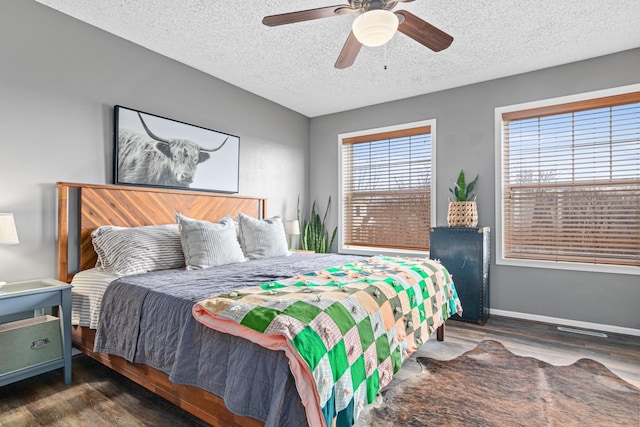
{"points": [[346, 330]]}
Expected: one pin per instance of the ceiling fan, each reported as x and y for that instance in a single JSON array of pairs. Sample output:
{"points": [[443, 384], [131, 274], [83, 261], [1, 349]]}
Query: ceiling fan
{"points": [[375, 26]]}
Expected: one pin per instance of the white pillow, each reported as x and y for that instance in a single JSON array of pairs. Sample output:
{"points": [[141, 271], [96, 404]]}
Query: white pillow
{"points": [[206, 244], [134, 250], [262, 238]]}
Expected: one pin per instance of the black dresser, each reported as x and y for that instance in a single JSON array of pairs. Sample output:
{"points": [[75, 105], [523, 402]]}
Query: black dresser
{"points": [[465, 253]]}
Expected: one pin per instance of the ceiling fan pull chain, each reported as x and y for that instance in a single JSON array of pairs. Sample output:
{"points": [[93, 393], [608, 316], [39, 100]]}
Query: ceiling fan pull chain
{"points": [[385, 57]]}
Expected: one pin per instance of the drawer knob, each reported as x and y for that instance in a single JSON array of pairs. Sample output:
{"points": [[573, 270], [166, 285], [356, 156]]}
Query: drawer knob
{"points": [[40, 343]]}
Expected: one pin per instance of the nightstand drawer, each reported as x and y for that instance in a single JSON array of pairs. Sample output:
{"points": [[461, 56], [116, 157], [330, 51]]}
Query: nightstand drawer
{"points": [[29, 342]]}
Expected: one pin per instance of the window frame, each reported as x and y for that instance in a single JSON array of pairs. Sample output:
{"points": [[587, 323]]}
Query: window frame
{"points": [[371, 250], [499, 185]]}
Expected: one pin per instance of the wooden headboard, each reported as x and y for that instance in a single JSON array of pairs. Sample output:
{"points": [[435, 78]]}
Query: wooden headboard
{"points": [[130, 206]]}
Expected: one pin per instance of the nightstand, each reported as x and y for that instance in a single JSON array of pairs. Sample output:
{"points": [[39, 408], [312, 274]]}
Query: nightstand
{"points": [[40, 344]]}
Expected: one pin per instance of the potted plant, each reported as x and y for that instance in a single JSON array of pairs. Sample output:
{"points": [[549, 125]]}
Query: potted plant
{"points": [[313, 236], [463, 211]]}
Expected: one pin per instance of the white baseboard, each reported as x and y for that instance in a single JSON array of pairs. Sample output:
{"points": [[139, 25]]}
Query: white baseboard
{"points": [[567, 322]]}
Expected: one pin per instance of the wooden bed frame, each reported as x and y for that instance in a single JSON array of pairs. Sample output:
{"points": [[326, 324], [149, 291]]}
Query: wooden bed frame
{"points": [[131, 206]]}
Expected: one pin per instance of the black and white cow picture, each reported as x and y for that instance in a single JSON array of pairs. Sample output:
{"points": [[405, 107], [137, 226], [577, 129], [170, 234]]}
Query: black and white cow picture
{"points": [[154, 160]]}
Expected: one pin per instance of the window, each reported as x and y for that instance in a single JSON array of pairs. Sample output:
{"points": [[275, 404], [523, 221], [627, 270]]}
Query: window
{"points": [[570, 190], [386, 188]]}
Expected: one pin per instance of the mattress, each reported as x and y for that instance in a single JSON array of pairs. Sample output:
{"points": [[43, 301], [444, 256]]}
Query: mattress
{"points": [[86, 296]]}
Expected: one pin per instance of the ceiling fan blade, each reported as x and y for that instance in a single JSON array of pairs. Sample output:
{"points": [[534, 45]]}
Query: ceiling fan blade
{"points": [[423, 32], [306, 15], [349, 52]]}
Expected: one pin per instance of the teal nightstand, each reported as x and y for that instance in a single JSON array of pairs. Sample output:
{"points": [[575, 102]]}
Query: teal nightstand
{"points": [[40, 344]]}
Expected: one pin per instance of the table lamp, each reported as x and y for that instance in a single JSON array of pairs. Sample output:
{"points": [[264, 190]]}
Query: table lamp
{"points": [[8, 232], [293, 229]]}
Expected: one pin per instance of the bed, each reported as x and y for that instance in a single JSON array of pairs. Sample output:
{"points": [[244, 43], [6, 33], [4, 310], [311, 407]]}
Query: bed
{"points": [[184, 376]]}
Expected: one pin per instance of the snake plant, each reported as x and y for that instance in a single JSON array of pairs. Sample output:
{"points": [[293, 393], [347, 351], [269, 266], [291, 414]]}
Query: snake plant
{"points": [[462, 191], [313, 236]]}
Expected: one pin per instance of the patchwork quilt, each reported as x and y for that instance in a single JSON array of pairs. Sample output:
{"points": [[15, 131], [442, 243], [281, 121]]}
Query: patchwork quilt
{"points": [[346, 330]]}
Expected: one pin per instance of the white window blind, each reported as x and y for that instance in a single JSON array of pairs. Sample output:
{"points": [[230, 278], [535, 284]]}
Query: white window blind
{"points": [[571, 189], [387, 189]]}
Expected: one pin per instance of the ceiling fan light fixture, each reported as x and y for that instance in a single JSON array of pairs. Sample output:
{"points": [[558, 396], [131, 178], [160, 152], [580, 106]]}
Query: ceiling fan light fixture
{"points": [[375, 27]]}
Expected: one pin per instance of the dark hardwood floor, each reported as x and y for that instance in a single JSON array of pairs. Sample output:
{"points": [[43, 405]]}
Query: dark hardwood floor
{"points": [[99, 397]]}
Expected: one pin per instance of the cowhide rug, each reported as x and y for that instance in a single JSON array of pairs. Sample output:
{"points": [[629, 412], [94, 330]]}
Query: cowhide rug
{"points": [[490, 386]]}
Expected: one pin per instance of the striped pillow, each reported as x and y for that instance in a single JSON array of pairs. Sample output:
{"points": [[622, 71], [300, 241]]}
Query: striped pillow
{"points": [[136, 250], [262, 238], [206, 244], [98, 232]]}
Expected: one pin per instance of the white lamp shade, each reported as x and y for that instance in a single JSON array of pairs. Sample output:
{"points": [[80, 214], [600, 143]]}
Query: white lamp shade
{"points": [[292, 228], [8, 232], [375, 27]]}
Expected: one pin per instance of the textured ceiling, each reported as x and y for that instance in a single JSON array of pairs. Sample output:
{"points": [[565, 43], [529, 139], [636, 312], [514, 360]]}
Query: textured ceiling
{"points": [[292, 65]]}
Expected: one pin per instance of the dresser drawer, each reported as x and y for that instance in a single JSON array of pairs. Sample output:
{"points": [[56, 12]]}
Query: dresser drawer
{"points": [[28, 342]]}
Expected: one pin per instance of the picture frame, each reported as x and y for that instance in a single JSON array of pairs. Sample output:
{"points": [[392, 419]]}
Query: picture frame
{"points": [[155, 151]]}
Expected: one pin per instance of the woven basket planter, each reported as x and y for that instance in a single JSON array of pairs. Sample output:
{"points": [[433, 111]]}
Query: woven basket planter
{"points": [[462, 214]]}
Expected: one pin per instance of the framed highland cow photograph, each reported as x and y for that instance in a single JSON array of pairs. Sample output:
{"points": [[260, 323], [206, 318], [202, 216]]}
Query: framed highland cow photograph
{"points": [[158, 152]]}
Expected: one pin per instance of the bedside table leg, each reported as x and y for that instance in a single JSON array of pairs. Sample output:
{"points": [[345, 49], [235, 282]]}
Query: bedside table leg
{"points": [[66, 334], [440, 333]]}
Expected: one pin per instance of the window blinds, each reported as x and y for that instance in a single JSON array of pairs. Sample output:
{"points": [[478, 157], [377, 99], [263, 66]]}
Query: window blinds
{"points": [[571, 188], [387, 189]]}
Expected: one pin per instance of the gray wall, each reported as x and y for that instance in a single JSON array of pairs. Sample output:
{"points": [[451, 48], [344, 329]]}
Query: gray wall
{"points": [[59, 81], [466, 140]]}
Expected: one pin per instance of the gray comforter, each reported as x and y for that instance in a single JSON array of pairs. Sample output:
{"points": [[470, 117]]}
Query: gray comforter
{"points": [[147, 319]]}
